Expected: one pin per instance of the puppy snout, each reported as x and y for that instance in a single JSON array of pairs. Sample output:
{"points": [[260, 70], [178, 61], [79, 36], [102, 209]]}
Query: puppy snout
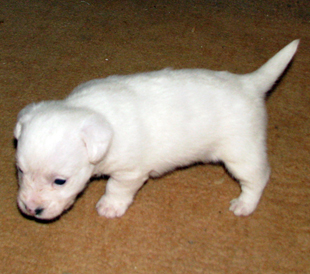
{"points": [[34, 211]]}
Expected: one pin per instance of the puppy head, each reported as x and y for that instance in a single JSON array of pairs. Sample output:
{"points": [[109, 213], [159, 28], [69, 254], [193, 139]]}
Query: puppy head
{"points": [[57, 150]]}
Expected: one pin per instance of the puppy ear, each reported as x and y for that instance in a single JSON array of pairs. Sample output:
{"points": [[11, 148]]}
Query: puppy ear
{"points": [[96, 133], [24, 115]]}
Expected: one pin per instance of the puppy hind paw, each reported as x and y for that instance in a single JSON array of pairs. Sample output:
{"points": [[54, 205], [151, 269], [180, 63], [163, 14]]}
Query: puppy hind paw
{"points": [[111, 209], [241, 208]]}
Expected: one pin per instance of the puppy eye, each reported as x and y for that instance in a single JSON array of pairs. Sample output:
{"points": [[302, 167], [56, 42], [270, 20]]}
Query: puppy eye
{"points": [[59, 181]]}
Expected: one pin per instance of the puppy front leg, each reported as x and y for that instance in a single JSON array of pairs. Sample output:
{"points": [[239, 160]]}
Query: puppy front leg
{"points": [[118, 196]]}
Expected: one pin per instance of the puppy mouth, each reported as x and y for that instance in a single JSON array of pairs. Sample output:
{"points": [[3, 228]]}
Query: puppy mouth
{"points": [[50, 215], [69, 205]]}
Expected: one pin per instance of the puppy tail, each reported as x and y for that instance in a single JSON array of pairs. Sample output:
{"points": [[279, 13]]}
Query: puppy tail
{"points": [[265, 77]]}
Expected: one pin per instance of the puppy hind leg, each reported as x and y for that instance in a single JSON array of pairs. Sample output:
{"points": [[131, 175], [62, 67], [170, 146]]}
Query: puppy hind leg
{"points": [[253, 177], [119, 196]]}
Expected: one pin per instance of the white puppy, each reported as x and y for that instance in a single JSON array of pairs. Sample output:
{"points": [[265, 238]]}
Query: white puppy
{"points": [[136, 126]]}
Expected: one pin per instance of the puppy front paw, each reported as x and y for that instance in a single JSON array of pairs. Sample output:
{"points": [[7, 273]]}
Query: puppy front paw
{"points": [[111, 208], [241, 207]]}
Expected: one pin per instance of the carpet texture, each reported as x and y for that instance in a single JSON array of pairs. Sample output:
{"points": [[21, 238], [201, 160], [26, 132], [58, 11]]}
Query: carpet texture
{"points": [[179, 223]]}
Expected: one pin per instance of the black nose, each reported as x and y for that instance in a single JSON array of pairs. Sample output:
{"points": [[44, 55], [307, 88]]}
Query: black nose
{"points": [[38, 211]]}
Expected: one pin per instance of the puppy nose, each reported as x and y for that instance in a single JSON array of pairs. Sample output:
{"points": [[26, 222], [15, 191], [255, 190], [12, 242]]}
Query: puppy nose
{"points": [[38, 211]]}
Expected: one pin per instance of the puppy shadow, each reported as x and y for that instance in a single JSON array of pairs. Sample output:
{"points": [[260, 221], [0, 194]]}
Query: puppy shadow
{"points": [[14, 142], [41, 221]]}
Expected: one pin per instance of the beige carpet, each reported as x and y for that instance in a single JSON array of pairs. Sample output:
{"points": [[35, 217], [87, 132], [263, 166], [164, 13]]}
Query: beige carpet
{"points": [[179, 223]]}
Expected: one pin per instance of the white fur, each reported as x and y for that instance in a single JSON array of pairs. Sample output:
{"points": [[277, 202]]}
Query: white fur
{"points": [[136, 126]]}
